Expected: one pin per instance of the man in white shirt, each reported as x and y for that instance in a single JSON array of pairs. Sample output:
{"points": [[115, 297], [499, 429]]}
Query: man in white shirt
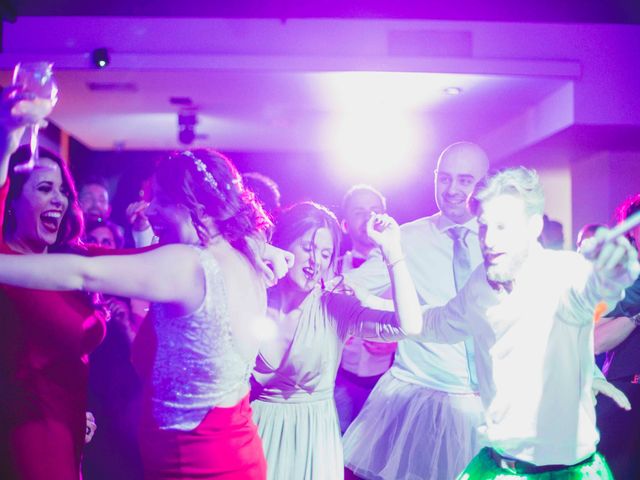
{"points": [[530, 313], [363, 361], [420, 420]]}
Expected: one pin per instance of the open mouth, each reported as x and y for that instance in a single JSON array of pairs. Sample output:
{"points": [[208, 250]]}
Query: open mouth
{"points": [[309, 273], [51, 220]]}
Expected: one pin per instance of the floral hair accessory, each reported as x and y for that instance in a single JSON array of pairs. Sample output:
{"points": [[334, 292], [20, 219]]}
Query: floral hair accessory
{"points": [[202, 168]]}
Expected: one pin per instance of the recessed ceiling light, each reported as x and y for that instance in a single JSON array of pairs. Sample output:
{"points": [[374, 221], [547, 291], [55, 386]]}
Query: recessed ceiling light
{"points": [[453, 90]]}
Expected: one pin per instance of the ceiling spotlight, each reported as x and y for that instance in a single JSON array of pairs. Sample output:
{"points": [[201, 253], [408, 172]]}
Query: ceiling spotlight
{"points": [[187, 121], [100, 57], [453, 90]]}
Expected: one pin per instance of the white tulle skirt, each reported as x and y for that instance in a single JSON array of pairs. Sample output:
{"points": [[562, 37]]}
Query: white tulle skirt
{"points": [[410, 432]]}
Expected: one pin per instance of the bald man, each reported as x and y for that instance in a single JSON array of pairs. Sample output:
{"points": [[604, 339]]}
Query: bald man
{"points": [[421, 419]]}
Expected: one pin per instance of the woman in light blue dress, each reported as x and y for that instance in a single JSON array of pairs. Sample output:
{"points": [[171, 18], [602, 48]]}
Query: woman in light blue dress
{"points": [[295, 371]]}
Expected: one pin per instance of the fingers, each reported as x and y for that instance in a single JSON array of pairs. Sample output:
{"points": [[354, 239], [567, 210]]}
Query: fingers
{"points": [[281, 264], [91, 427], [378, 225], [275, 263], [379, 222], [12, 111], [605, 388], [267, 273], [137, 207], [290, 259], [136, 215], [613, 258]]}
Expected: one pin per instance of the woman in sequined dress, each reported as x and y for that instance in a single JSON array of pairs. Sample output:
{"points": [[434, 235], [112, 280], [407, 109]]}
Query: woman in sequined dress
{"points": [[209, 300]]}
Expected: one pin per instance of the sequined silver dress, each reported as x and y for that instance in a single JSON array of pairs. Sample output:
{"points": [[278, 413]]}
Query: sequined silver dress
{"points": [[196, 361]]}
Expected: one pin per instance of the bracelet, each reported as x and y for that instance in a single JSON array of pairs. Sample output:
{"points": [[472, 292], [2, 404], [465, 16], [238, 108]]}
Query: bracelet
{"points": [[395, 262]]}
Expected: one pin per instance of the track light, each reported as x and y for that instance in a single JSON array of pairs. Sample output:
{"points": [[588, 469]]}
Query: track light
{"points": [[187, 121], [100, 57]]}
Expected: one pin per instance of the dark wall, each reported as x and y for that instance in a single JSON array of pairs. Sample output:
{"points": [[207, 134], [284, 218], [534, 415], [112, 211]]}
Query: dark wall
{"points": [[300, 177]]}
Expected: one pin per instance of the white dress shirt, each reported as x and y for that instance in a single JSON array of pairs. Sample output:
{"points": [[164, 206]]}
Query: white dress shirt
{"points": [[534, 355], [364, 358], [429, 256]]}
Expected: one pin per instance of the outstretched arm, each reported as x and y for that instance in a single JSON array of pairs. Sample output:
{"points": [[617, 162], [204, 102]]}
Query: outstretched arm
{"points": [[449, 323], [610, 332], [614, 267], [385, 231], [169, 274]]}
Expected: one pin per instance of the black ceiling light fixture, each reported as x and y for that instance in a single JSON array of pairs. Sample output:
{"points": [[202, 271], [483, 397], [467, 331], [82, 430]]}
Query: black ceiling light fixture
{"points": [[187, 121], [100, 58]]}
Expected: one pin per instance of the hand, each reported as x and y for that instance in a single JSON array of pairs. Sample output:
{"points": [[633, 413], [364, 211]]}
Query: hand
{"points": [[385, 232], [91, 428], [275, 263], [601, 386], [121, 315], [12, 121], [137, 216], [614, 261]]}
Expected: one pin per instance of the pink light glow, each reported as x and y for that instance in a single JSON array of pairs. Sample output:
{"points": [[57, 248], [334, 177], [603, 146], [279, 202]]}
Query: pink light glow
{"points": [[380, 127], [370, 146]]}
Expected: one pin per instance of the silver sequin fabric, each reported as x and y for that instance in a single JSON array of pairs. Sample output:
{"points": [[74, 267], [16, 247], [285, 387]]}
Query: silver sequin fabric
{"points": [[196, 362]]}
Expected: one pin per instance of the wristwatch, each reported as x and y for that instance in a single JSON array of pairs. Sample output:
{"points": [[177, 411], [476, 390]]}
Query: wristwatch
{"points": [[635, 319]]}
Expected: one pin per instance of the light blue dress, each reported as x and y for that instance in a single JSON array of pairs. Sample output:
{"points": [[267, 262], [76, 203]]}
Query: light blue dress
{"points": [[294, 406]]}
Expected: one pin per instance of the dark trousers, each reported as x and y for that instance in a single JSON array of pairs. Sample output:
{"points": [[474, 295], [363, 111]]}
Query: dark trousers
{"points": [[620, 433]]}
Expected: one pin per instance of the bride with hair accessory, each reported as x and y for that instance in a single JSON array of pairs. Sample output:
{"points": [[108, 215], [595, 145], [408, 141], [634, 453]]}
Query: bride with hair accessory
{"points": [[207, 285]]}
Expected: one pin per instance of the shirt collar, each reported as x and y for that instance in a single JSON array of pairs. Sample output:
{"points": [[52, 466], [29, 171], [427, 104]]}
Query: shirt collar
{"points": [[443, 223]]}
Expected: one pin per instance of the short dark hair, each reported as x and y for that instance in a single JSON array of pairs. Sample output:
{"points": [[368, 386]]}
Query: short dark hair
{"points": [[265, 189], [94, 180], [361, 188], [116, 230]]}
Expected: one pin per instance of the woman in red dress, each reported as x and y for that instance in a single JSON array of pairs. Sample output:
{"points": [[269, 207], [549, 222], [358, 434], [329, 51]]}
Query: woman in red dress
{"points": [[46, 336]]}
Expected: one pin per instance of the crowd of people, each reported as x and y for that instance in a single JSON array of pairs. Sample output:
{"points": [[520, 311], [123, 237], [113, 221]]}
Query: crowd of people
{"points": [[238, 339]]}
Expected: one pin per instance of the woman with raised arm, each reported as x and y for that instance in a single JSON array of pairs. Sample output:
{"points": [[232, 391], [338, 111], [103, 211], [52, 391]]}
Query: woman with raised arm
{"points": [[46, 336], [209, 301], [296, 368]]}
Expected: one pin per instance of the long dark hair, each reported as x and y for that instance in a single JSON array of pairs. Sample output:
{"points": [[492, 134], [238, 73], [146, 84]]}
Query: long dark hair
{"points": [[208, 184], [296, 220], [71, 224]]}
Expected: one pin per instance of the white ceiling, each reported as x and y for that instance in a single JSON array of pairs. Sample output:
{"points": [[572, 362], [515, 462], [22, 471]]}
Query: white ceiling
{"points": [[261, 86]]}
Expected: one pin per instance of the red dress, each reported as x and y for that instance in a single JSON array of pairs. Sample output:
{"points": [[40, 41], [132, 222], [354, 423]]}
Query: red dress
{"points": [[44, 345]]}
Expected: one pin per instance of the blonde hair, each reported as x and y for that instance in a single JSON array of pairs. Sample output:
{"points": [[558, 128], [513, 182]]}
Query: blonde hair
{"points": [[519, 182]]}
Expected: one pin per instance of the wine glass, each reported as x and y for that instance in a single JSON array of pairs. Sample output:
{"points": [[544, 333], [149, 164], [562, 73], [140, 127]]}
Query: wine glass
{"points": [[35, 78]]}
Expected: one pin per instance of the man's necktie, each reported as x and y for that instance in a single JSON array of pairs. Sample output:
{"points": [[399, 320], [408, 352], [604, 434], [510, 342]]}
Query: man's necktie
{"points": [[461, 272]]}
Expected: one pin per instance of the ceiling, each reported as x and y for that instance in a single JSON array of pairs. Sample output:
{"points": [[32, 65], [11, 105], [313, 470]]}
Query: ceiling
{"points": [[567, 11], [261, 85], [278, 111]]}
